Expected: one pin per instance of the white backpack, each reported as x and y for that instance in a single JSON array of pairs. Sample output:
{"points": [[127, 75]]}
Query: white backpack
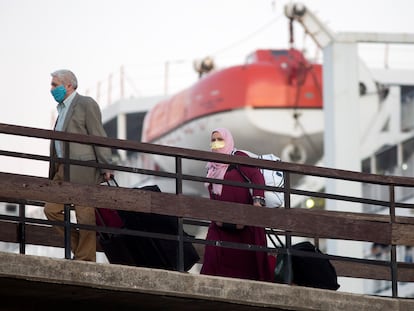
{"points": [[272, 178]]}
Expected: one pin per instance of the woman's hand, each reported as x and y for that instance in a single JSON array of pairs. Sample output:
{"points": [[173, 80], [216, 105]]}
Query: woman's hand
{"points": [[259, 201]]}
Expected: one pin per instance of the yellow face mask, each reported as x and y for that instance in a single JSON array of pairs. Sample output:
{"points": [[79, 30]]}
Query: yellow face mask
{"points": [[217, 144]]}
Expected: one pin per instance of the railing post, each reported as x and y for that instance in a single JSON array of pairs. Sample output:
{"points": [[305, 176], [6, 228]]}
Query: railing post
{"points": [[288, 237], [178, 175], [286, 176], [393, 257], [179, 190], [180, 245], [22, 228], [67, 207], [67, 227]]}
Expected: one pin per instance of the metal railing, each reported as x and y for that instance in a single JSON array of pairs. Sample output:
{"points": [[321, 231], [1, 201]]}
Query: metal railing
{"points": [[391, 229]]}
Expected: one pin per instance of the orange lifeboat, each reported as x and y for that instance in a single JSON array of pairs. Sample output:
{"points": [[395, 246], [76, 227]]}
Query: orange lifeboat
{"points": [[272, 104]]}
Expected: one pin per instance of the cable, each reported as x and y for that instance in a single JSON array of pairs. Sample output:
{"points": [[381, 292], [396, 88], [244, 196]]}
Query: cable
{"points": [[272, 21]]}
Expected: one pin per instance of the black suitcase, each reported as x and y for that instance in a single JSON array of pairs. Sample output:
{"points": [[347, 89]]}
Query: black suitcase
{"points": [[153, 252], [306, 271], [115, 246], [117, 249], [146, 251]]}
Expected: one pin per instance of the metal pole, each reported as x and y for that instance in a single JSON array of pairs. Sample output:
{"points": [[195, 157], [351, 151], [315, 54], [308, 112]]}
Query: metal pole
{"points": [[22, 229], [180, 245], [288, 237], [66, 220], [179, 190], [66, 211], [394, 267]]}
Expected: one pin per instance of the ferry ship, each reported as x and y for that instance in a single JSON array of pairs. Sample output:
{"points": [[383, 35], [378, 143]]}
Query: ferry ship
{"points": [[273, 103]]}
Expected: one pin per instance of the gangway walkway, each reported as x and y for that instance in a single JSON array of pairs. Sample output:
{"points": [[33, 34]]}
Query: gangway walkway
{"points": [[317, 225], [39, 283]]}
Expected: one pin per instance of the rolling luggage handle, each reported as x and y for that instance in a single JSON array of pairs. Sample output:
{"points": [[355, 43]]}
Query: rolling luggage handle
{"points": [[108, 182], [277, 237], [111, 214], [114, 245]]}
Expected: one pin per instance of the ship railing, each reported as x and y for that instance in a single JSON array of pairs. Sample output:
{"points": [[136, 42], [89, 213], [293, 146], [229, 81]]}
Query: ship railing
{"points": [[392, 229]]}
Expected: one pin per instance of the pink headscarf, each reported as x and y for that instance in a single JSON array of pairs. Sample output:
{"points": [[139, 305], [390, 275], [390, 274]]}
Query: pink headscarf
{"points": [[217, 170]]}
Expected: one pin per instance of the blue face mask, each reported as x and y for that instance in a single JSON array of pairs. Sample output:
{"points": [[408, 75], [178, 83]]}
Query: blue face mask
{"points": [[59, 93]]}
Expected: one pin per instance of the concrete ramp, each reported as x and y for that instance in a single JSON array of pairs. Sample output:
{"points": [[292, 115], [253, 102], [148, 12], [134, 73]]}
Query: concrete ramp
{"points": [[41, 283]]}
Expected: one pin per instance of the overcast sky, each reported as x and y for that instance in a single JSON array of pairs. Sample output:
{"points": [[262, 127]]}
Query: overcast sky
{"points": [[95, 38]]}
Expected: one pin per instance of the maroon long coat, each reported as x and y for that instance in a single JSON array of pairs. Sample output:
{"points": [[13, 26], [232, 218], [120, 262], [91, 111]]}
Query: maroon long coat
{"points": [[230, 262]]}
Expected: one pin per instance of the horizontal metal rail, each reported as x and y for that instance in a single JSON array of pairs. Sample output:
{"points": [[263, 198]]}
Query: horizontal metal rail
{"points": [[394, 229]]}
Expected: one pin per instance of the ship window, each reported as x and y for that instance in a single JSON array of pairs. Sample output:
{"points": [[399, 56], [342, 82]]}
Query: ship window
{"points": [[366, 165], [277, 53], [250, 59], [111, 128], [386, 161], [407, 165], [408, 149], [407, 108], [134, 123], [11, 208]]}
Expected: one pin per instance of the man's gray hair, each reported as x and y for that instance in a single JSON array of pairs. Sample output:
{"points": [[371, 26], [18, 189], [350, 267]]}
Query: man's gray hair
{"points": [[66, 76]]}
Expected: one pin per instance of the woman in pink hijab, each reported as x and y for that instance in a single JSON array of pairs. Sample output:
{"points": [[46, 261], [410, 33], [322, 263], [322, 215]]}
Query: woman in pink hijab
{"points": [[230, 262]]}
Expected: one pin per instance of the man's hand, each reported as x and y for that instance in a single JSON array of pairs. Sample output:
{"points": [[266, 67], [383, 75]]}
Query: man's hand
{"points": [[108, 175]]}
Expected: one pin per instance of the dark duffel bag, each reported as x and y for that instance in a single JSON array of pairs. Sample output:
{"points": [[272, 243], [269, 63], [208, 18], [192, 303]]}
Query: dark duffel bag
{"points": [[306, 271]]}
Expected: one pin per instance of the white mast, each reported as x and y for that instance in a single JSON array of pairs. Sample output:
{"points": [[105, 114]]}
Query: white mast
{"points": [[343, 73]]}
